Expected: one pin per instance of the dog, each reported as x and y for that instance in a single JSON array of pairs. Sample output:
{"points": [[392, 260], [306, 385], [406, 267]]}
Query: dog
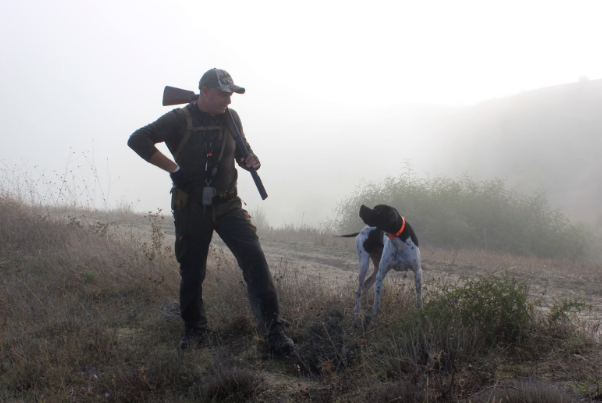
{"points": [[391, 243]]}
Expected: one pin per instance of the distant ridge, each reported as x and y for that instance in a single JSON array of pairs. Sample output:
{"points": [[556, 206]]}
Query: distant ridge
{"points": [[548, 138], [585, 87]]}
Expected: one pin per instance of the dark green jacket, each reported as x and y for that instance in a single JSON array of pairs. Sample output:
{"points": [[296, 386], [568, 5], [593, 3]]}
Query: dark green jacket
{"points": [[170, 128]]}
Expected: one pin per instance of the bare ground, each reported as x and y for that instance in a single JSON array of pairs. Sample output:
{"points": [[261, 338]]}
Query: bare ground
{"points": [[550, 281]]}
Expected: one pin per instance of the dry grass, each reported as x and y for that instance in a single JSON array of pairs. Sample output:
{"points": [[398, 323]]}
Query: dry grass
{"points": [[82, 317], [550, 279]]}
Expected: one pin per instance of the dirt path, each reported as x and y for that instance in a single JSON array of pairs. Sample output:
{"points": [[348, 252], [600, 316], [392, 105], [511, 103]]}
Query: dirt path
{"points": [[549, 281]]}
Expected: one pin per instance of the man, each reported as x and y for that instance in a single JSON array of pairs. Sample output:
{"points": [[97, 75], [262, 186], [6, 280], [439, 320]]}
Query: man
{"points": [[204, 152]]}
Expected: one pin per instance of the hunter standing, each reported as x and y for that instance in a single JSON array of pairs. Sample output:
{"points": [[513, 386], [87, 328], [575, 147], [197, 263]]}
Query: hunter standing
{"points": [[204, 151]]}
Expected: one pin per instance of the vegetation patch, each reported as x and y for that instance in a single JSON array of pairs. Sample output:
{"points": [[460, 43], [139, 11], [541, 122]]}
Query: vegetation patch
{"points": [[464, 213], [86, 315]]}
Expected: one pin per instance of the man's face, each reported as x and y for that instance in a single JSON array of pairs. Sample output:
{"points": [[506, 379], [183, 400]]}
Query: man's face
{"points": [[215, 101]]}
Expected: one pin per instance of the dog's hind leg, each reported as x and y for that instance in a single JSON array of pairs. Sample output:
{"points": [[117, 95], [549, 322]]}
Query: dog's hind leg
{"points": [[375, 257], [364, 263]]}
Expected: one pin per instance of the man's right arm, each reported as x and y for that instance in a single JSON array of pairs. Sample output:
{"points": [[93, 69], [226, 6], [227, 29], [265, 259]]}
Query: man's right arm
{"points": [[168, 128], [160, 160]]}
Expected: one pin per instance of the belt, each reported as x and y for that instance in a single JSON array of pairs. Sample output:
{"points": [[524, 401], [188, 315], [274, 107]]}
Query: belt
{"points": [[222, 196]]}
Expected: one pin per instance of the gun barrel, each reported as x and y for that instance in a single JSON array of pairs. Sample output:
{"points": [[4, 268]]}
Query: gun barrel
{"points": [[245, 154], [177, 96]]}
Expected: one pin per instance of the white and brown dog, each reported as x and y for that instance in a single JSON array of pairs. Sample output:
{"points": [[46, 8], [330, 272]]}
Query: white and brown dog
{"points": [[390, 242]]}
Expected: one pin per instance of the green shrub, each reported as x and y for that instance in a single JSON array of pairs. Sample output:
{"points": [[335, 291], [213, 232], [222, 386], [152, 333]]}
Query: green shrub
{"points": [[464, 213], [325, 341], [228, 381], [495, 307], [89, 277], [560, 312]]}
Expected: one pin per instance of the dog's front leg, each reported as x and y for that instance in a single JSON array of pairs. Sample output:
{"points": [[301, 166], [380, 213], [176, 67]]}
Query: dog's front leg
{"points": [[380, 277], [411, 257], [418, 279], [383, 267], [417, 267]]}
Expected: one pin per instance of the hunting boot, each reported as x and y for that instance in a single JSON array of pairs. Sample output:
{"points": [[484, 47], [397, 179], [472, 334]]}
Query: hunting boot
{"points": [[194, 338], [280, 345]]}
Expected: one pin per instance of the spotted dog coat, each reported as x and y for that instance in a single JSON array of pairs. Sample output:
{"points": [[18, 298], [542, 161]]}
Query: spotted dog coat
{"points": [[390, 245]]}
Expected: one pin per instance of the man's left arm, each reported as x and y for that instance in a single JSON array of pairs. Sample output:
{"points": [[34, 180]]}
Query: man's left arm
{"points": [[252, 161]]}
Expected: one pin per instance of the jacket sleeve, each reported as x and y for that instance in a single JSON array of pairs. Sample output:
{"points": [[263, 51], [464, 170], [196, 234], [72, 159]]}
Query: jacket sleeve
{"points": [[238, 154], [168, 128]]}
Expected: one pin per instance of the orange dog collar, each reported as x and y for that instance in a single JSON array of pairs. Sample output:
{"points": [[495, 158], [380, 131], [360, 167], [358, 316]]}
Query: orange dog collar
{"points": [[403, 225]]}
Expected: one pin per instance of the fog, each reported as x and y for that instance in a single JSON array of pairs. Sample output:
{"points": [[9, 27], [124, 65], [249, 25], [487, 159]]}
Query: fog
{"points": [[337, 92]]}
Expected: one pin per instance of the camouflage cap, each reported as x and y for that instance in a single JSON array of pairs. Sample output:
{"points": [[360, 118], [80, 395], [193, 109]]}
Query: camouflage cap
{"points": [[220, 79]]}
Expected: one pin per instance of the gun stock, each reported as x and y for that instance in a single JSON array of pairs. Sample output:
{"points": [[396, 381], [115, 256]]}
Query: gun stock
{"points": [[177, 96]]}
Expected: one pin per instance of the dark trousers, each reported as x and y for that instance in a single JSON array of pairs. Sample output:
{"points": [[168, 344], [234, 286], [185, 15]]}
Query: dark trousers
{"points": [[194, 230]]}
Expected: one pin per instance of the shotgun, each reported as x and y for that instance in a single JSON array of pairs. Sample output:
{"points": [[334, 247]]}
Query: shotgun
{"points": [[177, 96]]}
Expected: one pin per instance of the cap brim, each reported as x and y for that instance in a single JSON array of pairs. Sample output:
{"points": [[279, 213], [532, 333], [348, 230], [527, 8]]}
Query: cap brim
{"points": [[235, 88]]}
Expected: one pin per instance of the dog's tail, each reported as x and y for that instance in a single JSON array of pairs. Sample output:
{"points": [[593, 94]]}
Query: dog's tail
{"points": [[346, 236]]}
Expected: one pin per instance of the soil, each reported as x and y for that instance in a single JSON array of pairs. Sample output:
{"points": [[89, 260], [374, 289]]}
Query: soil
{"points": [[549, 281]]}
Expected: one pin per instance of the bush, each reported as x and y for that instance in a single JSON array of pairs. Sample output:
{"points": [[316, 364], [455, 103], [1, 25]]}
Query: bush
{"points": [[468, 214], [560, 312], [229, 381], [324, 341], [458, 323], [495, 307]]}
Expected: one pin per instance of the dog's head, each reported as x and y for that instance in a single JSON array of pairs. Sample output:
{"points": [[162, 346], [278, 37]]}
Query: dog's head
{"points": [[383, 217]]}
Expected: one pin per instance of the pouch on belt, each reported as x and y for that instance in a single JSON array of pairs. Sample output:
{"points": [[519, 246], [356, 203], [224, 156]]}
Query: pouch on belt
{"points": [[179, 199]]}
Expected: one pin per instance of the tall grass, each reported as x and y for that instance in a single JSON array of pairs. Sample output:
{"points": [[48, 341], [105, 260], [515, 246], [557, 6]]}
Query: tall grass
{"points": [[86, 314], [464, 213], [80, 186], [83, 317]]}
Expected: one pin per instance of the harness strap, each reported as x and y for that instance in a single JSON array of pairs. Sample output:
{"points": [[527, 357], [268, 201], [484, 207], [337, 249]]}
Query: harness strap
{"points": [[221, 153], [201, 128], [187, 133], [403, 225]]}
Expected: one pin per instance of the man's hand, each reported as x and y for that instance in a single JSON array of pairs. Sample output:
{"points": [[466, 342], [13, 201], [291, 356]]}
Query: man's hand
{"points": [[251, 161], [180, 179]]}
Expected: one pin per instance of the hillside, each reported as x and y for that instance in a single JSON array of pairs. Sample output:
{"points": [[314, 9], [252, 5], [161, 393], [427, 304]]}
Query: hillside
{"points": [[547, 139]]}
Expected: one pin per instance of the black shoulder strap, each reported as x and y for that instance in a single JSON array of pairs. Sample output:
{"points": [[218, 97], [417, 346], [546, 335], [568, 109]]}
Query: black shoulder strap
{"points": [[187, 133], [221, 153]]}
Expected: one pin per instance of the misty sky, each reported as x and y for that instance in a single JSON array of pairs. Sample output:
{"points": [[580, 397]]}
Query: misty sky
{"points": [[334, 88]]}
